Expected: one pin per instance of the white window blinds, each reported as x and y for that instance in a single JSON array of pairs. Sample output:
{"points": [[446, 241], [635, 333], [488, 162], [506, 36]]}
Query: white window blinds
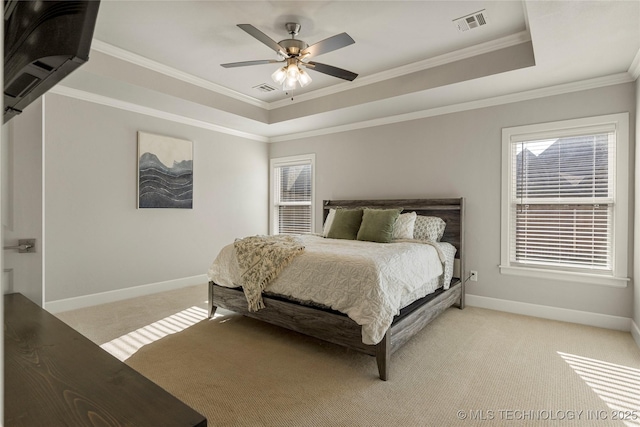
{"points": [[562, 201], [292, 195]]}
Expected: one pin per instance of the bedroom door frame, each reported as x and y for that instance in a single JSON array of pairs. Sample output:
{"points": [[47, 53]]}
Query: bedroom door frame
{"points": [[22, 183]]}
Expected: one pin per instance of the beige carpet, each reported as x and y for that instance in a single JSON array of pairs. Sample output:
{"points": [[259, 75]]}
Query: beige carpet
{"points": [[469, 367]]}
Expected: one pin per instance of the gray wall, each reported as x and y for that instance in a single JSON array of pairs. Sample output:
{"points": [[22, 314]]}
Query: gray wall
{"points": [[459, 154], [96, 239]]}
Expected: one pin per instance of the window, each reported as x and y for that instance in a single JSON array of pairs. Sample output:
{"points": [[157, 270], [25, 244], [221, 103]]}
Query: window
{"points": [[564, 200], [292, 192]]}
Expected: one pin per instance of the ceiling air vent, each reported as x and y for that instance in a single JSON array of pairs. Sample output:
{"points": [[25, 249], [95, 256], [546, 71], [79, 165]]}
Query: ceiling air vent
{"points": [[264, 88], [475, 20]]}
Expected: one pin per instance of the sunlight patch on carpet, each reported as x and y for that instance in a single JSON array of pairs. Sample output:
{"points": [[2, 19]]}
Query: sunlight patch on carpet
{"points": [[617, 385], [127, 345]]}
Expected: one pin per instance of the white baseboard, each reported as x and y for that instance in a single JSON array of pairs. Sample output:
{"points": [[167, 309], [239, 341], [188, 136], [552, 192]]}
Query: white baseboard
{"points": [[59, 306], [554, 313], [635, 332]]}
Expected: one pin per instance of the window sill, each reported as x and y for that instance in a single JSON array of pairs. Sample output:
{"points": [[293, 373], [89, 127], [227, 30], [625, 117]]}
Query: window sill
{"points": [[591, 279]]}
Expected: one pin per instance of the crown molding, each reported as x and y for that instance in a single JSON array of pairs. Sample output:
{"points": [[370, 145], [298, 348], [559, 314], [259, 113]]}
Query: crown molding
{"points": [[490, 46], [141, 61], [595, 83], [634, 68], [148, 111], [458, 55]]}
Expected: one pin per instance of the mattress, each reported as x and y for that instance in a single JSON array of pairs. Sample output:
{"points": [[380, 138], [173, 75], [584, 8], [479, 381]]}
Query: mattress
{"points": [[369, 282]]}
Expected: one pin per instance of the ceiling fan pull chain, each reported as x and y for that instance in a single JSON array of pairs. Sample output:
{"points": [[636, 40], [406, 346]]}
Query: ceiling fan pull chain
{"points": [[290, 91]]}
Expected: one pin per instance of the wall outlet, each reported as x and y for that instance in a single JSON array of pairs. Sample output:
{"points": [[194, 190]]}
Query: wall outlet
{"points": [[474, 276]]}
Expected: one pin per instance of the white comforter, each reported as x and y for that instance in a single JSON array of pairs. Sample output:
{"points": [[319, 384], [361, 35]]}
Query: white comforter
{"points": [[367, 281]]}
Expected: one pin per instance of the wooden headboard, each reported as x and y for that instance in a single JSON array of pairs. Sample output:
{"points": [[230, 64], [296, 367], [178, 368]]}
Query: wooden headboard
{"points": [[450, 210]]}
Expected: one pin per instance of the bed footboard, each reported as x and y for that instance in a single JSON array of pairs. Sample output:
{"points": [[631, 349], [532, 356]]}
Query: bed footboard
{"points": [[336, 327], [323, 324]]}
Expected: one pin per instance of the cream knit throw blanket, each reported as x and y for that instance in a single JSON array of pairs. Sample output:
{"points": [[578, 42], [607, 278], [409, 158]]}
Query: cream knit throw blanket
{"points": [[260, 259]]}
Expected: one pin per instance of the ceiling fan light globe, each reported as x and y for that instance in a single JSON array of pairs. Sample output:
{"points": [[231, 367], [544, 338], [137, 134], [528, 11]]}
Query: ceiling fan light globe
{"points": [[293, 72], [289, 84], [279, 75], [304, 78]]}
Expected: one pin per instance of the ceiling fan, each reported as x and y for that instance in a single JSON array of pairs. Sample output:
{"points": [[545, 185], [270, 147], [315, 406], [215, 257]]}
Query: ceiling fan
{"points": [[295, 55]]}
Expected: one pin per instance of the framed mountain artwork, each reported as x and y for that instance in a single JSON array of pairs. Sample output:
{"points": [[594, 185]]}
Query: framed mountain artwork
{"points": [[165, 172]]}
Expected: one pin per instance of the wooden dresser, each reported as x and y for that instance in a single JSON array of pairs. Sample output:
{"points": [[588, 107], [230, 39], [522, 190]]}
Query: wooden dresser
{"points": [[54, 376]]}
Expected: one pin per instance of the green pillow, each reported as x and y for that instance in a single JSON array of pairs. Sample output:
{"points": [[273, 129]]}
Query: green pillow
{"points": [[346, 224], [377, 225]]}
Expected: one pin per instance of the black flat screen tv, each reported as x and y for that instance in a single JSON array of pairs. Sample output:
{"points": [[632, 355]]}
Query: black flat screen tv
{"points": [[44, 41]]}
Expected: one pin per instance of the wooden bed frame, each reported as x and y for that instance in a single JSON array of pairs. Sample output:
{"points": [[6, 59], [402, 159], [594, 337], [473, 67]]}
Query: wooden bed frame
{"points": [[338, 328]]}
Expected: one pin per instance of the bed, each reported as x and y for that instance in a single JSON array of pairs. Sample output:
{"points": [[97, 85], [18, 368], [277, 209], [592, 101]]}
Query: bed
{"points": [[322, 321]]}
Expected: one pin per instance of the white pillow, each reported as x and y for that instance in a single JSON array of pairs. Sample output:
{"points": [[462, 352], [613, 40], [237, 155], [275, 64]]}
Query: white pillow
{"points": [[328, 222], [403, 228]]}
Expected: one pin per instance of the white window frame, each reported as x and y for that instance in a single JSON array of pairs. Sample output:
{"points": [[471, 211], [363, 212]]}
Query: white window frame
{"points": [[620, 122], [290, 161]]}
